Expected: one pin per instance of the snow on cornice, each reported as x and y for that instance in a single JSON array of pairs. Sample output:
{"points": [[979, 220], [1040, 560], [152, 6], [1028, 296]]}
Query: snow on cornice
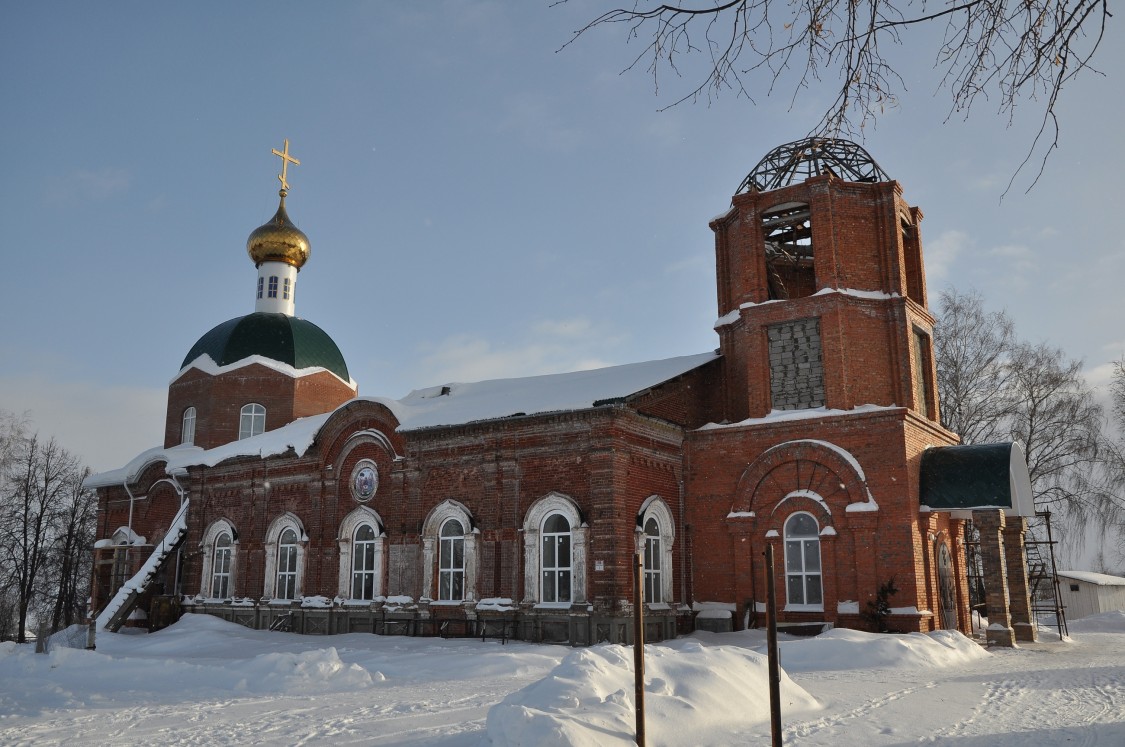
{"points": [[733, 316], [207, 365], [298, 435], [778, 416]]}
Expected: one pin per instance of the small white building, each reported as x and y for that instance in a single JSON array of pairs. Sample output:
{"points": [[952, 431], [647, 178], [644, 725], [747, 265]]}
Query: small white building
{"points": [[1085, 593]]}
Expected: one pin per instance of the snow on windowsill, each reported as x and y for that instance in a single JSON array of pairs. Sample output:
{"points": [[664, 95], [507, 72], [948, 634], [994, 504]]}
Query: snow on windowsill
{"points": [[496, 604]]}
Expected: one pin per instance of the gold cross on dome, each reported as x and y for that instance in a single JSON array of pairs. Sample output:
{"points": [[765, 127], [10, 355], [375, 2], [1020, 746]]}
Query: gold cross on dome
{"points": [[286, 159]]}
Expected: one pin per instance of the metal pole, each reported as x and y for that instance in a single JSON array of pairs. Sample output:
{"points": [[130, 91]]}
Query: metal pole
{"points": [[771, 646], [639, 646]]}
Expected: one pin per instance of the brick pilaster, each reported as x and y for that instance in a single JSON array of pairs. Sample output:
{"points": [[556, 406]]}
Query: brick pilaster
{"points": [[1019, 593], [990, 523]]}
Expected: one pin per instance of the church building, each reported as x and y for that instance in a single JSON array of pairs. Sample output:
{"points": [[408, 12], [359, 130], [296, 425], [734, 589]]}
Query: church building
{"points": [[281, 498]]}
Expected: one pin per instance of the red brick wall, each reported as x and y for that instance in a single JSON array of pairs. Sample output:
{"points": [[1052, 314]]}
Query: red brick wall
{"points": [[219, 400]]}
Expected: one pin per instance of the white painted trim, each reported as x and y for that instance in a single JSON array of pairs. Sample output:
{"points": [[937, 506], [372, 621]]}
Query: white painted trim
{"points": [[346, 539], [552, 503], [448, 509], [273, 534], [208, 549], [654, 507]]}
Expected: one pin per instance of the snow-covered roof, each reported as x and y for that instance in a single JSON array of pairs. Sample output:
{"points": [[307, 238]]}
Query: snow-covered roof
{"points": [[1100, 579], [451, 404], [455, 404]]}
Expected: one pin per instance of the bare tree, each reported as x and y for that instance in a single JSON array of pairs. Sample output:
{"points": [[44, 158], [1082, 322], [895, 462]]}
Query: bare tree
{"points": [[1015, 50], [1061, 427], [36, 481], [994, 387], [973, 376], [69, 562], [1117, 392]]}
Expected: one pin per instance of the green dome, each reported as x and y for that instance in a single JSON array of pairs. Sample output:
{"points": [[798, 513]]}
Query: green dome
{"points": [[285, 339]]}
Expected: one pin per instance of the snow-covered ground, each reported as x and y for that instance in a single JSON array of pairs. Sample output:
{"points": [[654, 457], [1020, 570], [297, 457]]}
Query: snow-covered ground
{"points": [[205, 682]]}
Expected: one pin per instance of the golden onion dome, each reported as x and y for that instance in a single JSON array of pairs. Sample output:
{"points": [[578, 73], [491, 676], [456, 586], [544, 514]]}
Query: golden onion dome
{"points": [[278, 240]]}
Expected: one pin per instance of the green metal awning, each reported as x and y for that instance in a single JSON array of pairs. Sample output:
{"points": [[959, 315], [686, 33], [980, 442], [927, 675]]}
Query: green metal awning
{"points": [[963, 478]]}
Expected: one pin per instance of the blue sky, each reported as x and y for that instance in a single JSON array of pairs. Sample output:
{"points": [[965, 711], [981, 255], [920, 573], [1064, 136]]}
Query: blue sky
{"points": [[479, 204]]}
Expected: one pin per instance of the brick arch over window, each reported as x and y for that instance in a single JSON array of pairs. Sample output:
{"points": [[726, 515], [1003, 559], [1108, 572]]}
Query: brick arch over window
{"points": [[547, 506], [816, 476], [431, 531], [359, 438], [217, 529], [346, 539]]}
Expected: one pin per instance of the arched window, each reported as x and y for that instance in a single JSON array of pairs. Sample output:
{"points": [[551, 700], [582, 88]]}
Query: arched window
{"points": [[802, 563], [787, 235], [286, 565], [273, 286], [220, 566], [219, 549], [363, 563], [656, 532], [252, 421], [555, 560], [361, 539], [654, 589], [187, 431], [554, 552], [285, 558], [449, 550], [451, 561]]}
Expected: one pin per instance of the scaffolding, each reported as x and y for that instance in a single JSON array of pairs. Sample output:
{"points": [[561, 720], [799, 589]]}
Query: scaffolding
{"points": [[1042, 576]]}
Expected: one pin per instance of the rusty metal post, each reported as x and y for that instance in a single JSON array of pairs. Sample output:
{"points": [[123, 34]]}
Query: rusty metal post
{"points": [[639, 645], [772, 653]]}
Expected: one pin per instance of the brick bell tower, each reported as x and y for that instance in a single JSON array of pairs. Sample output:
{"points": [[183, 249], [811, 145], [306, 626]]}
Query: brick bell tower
{"points": [[828, 396]]}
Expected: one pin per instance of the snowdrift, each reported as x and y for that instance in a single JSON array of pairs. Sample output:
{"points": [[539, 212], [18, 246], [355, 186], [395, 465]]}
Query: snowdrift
{"points": [[853, 649], [690, 690]]}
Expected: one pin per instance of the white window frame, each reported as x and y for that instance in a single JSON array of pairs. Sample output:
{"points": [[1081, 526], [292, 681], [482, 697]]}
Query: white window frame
{"points": [[187, 426], [286, 585], [208, 547], [346, 540], [431, 547], [656, 509], [251, 420], [550, 504], [795, 566], [273, 549], [272, 291], [451, 573], [556, 564]]}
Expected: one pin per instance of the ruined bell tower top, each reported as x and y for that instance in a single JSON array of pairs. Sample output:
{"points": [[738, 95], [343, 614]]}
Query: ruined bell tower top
{"points": [[794, 162]]}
